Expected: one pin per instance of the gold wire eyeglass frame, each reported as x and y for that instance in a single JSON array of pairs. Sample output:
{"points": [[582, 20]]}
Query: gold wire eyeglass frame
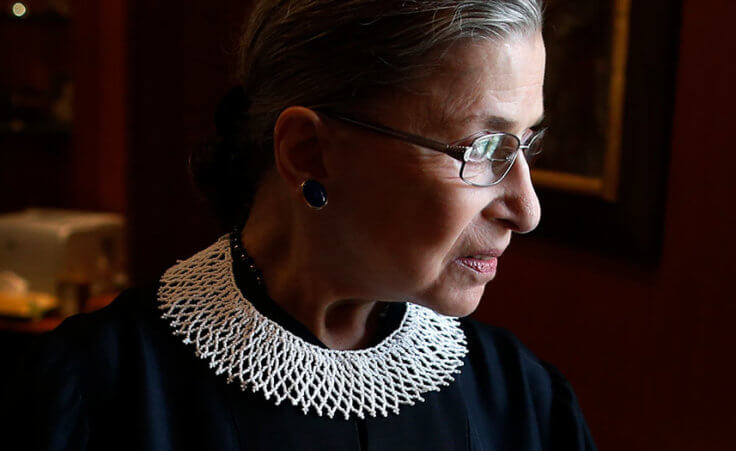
{"points": [[457, 150]]}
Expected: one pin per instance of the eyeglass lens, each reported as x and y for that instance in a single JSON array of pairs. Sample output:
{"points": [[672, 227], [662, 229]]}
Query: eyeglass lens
{"points": [[490, 157]]}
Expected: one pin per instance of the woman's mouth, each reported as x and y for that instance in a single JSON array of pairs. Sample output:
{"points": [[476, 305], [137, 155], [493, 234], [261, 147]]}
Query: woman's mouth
{"points": [[482, 265]]}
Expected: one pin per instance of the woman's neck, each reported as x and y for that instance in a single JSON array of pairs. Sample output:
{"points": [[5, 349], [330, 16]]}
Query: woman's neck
{"points": [[297, 281]]}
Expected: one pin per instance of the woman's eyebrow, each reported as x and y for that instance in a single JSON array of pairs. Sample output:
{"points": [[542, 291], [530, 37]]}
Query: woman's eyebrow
{"points": [[499, 123]]}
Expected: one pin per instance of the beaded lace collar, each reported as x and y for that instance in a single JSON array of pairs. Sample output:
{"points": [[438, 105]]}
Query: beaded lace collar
{"points": [[200, 299]]}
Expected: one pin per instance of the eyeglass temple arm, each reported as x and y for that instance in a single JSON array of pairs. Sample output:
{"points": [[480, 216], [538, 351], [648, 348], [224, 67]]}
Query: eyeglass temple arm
{"points": [[418, 140]]}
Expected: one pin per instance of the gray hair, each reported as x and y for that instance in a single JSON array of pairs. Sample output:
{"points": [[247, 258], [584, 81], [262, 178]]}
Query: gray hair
{"points": [[338, 53], [333, 53]]}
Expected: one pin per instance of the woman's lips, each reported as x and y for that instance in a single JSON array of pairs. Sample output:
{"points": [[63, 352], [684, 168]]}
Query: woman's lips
{"points": [[485, 266]]}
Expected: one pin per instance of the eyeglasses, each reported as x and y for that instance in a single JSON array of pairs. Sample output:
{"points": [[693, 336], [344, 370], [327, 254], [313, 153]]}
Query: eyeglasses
{"points": [[486, 156]]}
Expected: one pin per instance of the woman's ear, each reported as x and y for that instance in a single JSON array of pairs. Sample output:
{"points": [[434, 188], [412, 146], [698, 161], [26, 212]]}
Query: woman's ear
{"points": [[298, 146]]}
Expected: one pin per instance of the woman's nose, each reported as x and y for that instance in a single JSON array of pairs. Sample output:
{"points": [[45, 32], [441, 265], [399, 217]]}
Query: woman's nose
{"points": [[516, 200]]}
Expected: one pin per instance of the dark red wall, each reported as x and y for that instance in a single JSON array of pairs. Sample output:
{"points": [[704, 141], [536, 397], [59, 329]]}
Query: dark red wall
{"points": [[99, 177], [178, 56], [649, 352]]}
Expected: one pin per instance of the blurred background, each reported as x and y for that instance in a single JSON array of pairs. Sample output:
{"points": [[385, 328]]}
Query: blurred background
{"points": [[627, 290]]}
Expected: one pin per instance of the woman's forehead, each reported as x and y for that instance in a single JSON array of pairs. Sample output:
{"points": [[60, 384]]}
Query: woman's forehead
{"points": [[486, 85]]}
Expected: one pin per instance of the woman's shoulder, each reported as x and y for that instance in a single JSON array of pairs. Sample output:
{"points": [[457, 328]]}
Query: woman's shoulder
{"points": [[133, 309], [505, 368], [131, 303], [99, 340], [499, 350], [52, 385], [500, 344]]}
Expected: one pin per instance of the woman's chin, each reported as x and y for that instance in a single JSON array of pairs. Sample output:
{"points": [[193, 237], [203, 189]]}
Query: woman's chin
{"points": [[457, 304], [462, 309]]}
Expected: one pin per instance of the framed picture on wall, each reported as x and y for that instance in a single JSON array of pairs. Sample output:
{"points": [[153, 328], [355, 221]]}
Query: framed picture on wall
{"points": [[587, 46], [609, 96]]}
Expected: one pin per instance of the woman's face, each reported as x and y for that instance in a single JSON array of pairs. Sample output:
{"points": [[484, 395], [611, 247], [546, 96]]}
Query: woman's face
{"points": [[404, 220]]}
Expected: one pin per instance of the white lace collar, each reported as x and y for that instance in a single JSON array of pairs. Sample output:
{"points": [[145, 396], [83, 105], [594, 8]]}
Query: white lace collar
{"points": [[204, 305]]}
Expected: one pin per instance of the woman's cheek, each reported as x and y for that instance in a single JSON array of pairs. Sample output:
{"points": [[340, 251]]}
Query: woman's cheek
{"points": [[441, 225]]}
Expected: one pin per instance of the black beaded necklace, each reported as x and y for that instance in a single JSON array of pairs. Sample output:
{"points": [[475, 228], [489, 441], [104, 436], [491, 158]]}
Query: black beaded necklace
{"points": [[241, 255]]}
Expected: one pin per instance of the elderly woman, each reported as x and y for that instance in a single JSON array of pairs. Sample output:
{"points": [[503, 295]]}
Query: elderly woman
{"points": [[372, 166]]}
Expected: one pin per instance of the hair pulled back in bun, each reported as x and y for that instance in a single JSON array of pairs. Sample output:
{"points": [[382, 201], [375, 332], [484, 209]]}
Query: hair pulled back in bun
{"points": [[224, 170]]}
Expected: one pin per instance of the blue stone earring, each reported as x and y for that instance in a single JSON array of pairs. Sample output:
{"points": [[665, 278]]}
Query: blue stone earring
{"points": [[314, 194]]}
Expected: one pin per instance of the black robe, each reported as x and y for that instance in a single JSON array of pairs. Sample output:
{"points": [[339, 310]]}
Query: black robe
{"points": [[119, 379]]}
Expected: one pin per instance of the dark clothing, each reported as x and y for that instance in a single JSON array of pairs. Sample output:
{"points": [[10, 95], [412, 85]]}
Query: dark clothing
{"points": [[119, 379]]}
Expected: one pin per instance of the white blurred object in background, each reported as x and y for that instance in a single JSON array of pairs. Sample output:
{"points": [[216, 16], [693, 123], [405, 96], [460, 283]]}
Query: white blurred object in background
{"points": [[18, 301], [70, 255]]}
